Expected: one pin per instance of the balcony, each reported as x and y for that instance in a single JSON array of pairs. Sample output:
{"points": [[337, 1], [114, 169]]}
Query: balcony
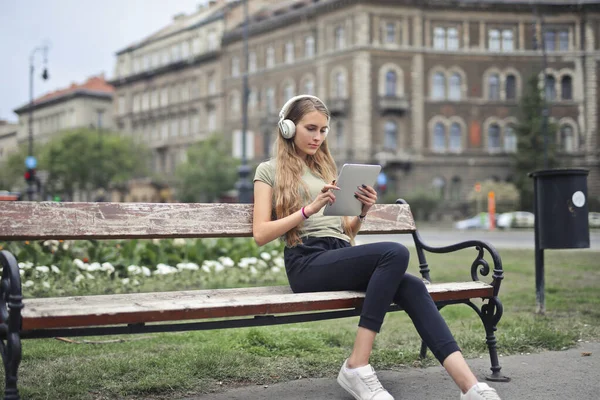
{"points": [[338, 106], [393, 104]]}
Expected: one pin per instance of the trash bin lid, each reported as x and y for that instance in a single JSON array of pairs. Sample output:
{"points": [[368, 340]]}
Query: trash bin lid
{"points": [[558, 171]]}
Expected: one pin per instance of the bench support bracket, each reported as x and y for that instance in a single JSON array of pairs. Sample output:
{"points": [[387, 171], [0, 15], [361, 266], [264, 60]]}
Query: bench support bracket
{"points": [[11, 303]]}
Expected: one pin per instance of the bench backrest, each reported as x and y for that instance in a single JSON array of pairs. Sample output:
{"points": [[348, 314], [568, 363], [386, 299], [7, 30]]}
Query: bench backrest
{"points": [[21, 220]]}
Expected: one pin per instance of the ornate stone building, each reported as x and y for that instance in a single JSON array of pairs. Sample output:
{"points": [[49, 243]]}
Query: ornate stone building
{"points": [[430, 89]]}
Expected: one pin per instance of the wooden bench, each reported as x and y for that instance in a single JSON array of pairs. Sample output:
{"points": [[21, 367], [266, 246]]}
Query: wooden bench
{"points": [[185, 310]]}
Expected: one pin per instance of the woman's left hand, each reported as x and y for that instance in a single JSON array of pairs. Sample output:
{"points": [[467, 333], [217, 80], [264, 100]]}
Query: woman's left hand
{"points": [[367, 196]]}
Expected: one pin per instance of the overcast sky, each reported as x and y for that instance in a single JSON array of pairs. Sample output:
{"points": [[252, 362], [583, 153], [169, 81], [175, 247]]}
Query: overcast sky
{"points": [[83, 36]]}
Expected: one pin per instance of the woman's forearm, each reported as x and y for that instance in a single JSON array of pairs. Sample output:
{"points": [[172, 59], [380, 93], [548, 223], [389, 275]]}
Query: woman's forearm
{"points": [[271, 230]]}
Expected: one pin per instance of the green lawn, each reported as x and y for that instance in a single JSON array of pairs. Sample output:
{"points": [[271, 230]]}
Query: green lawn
{"points": [[162, 366]]}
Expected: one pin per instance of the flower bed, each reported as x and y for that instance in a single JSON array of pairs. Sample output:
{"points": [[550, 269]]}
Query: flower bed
{"points": [[62, 268]]}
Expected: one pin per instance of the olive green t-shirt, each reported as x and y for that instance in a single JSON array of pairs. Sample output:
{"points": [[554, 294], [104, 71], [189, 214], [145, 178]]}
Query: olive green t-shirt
{"points": [[317, 225]]}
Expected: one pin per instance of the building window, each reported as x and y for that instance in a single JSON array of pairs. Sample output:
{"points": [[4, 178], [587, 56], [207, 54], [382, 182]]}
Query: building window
{"points": [[154, 99], [453, 42], [270, 57], [252, 99], [340, 38], [234, 102], [212, 40], [289, 52], [339, 135], [494, 87], [185, 126], [563, 40], [309, 47], [235, 66], [212, 120], [174, 127], [550, 88], [567, 139], [270, 99], [309, 86], [439, 38], [252, 62], [438, 86], [164, 130], [390, 83], [439, 137], [455, 188], [493, 138], [508, 42], [391, 135], [455, 87], [510, 140], [390, 32], [288, 91], [196, 46], [494, 40], [566, 88], [556, 40], [340, 85], [195, 124], [439, 186], [185, 50], [212, 84], [175, 53], [511, 87], [455, 137], [122, 105]]}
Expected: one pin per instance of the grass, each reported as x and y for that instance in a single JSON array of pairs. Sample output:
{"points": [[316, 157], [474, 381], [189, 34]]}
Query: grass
{"points": [[176, 365]]}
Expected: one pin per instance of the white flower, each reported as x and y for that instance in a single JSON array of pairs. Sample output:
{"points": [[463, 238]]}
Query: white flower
{"points": [[206, 268], [79, 278], [25, 265], [253, 271], [46, 285], [274, 253], [65, 246], [275, 269], [95, 266], [43, 269], [227, 262], [89, 276], [134, 270], [189, 266], [164, 269], [55, 269], [136, 282], [21, 272], [243, 263], [279, 262], [179, 242], [146, 271], [262, 264], [265, 256], [28, 283], [219, 267], [80, 264], [125, 281], [108, 267]]}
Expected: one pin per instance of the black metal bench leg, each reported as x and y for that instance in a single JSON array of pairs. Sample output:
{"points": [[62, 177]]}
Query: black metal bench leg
{"points": [[11, 303], [490, 315]]}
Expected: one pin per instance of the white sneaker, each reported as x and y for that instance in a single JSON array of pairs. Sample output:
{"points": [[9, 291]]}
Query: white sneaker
{"points": [[481, 391], [362, 383]]}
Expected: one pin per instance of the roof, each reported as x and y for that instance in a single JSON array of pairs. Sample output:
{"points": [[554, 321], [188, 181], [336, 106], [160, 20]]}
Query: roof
{"points": [[95, 86]]}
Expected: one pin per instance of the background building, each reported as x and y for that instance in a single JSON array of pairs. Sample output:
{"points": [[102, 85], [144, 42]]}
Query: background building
{"points": [[79, 106], [8, 139]]}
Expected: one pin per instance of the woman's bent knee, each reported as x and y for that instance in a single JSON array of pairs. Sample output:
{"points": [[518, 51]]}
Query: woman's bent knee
{"points": [[398, 251]]}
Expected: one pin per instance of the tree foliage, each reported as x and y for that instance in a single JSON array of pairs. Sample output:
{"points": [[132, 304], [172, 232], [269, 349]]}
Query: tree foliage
{"points": [[530, 142], [209, 171], [12, 170]]}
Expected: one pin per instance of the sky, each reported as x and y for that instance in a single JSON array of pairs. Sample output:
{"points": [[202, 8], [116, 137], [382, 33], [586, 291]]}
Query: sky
{"points": [[83, 36]]}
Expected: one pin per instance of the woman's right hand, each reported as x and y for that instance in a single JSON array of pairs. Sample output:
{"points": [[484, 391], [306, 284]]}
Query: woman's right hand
{"points": [[325, 197]]}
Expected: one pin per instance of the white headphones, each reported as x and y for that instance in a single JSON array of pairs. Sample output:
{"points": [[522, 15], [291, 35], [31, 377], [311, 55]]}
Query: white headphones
{"points": [[287, 128]]}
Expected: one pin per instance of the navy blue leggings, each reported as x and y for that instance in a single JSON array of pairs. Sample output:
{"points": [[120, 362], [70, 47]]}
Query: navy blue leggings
{"points": [[378, 269]]}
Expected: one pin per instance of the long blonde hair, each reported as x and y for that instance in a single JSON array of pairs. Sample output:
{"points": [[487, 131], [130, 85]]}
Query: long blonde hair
{"points": [[291, 192]]}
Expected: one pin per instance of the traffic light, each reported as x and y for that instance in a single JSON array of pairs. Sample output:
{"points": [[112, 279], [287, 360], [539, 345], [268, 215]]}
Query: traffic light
{"points": [[30, 175]]}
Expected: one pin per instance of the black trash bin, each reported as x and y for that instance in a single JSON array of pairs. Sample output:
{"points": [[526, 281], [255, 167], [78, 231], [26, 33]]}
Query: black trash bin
{"points": [[561, 208]]}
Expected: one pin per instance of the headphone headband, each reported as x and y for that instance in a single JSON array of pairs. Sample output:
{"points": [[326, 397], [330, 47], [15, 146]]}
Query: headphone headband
{"points": [[290, 102]]}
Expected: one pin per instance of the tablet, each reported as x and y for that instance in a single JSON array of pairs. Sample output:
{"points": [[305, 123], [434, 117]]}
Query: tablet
{"points": [[351, 176]]}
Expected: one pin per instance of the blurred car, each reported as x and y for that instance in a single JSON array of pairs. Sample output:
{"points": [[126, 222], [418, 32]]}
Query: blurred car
{"points": [[479, 221], [515, 219], [594, 219]]}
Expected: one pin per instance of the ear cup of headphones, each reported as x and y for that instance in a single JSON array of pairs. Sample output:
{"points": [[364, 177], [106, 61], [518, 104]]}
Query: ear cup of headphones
{"points": [[287, 128]]}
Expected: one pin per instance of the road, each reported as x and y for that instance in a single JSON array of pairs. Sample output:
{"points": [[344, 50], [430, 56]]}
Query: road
{"points": [[516, 239]]}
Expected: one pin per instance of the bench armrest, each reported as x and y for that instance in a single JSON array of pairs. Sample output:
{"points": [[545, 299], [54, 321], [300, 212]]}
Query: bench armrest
{"points": [[479, 266]]}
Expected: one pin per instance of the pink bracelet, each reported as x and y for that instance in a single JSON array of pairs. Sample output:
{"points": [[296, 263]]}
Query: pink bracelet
{"points": [[303, 213]]}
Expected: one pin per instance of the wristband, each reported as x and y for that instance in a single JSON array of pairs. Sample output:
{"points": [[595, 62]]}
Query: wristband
{"points": [[362, 217], [303, 213]]}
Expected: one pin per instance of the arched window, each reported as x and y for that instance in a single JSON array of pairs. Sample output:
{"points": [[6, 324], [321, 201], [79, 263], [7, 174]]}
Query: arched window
{"points": [[340, 38], [391, 134], [439, 137], [567, 139], [340, 85], [339, 135], [455, 87], [309, 86], [494, 87], [270, 99], [455, 137], [455, 188], [309, 47], [566, 88], [438, 86], [390, 83], [494, 138], [550, 88], [511, 87], [288, 91], [510, 139]]}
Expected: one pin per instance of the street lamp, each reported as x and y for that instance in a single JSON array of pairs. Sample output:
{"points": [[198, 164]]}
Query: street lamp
{"points": [[31, 162], [243, 185]]}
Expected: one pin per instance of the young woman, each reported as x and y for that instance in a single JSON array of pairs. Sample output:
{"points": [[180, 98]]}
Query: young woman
{"points": [[290, 192]]}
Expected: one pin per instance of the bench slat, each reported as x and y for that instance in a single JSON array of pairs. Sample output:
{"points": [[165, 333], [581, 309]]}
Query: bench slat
{"points": [[21, 220], [63, 312]]}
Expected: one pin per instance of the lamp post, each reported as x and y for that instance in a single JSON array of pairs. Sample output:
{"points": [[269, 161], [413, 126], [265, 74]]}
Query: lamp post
{"points": [[243, 185], [31, 185]]}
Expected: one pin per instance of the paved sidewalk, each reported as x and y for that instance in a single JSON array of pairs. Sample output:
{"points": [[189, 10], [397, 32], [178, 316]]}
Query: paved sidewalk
{"points": [[559, 375]]}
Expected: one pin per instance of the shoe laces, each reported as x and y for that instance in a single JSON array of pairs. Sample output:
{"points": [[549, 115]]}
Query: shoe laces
{"points": [[488, 394], [372, 382]]}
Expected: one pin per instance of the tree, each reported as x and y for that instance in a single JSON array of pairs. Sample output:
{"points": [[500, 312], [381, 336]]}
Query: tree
{"points": [[209, 171], [87, 159], [530, 142], [12, 170]]}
